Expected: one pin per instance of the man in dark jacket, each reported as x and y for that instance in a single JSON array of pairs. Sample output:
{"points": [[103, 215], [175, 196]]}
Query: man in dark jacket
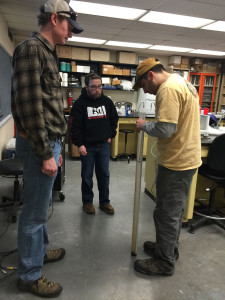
{"points": [[94, 123]]}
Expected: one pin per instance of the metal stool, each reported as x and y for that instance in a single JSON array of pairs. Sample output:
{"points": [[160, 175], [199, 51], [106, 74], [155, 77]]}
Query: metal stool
{"points": [[12, 167], [125, 154]]}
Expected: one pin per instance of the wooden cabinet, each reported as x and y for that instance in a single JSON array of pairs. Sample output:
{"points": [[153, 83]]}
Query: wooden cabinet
{"points": [[205, 83]]}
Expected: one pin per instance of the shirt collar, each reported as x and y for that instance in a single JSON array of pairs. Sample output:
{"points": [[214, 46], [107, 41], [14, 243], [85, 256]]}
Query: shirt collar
{"points": [[45, 41]]}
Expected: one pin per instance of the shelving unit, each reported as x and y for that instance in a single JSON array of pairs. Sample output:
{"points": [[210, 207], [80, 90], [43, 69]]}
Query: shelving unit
{"points": [[76, 79], [221, 98], [205, 84]]}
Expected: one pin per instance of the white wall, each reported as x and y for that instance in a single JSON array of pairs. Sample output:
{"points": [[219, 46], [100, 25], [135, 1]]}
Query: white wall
{"points": [[7, 130]]}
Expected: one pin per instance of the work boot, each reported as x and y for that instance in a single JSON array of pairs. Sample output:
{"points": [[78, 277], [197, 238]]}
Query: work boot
{"points": [[41, 287], [107, 208], [154, 266], [149, 248], [89, 208], [54, 255]]}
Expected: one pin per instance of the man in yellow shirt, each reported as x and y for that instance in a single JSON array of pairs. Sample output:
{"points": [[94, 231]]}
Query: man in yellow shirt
{"points": [[177, 127]]}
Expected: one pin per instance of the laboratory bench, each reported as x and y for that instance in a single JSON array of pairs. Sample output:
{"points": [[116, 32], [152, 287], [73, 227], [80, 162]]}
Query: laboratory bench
{"points": [[199, 183], [117, 144]]}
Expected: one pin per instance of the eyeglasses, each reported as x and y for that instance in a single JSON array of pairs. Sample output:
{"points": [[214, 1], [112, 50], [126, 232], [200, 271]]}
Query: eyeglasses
{"points": [[71, 15], [95, 87]]}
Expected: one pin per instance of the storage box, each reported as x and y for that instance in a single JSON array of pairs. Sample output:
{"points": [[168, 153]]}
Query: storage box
{"points": [[185, 61], [83, 69], [80, 53], [73, 63], [106, 80], [73, 68], [64, 51], [99, 55], [174, 60], [116, 82], [127, 58], [118, 71], [108, 69], [197, 61], [126, 72]]}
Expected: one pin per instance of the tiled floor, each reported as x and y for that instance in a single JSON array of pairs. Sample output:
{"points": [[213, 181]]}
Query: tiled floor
{"points": [[98, 264]]}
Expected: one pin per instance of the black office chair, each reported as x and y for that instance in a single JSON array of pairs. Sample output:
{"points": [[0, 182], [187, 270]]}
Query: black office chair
{"points": [[214, 170], [125, 154], [12, 167]]}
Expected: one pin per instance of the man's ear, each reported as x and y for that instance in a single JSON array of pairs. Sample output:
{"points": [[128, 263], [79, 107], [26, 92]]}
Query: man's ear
{"points": [[150, 75], [54, 18]]}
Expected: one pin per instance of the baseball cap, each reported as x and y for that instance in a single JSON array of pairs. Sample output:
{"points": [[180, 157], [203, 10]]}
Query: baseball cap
{"points": [[145, 66], [62, 7]]}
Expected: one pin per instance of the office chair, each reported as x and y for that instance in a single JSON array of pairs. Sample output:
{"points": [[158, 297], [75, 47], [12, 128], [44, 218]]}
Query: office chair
{"points": [[12, 168], [213, 170], [125, 154]]}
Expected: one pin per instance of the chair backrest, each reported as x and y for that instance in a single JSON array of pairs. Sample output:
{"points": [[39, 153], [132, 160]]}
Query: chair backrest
{"points": [[216, 154]]}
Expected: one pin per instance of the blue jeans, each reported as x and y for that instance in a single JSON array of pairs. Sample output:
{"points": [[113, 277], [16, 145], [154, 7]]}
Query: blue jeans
{"points": [[172, 189], [32, 230], [97, 156]]}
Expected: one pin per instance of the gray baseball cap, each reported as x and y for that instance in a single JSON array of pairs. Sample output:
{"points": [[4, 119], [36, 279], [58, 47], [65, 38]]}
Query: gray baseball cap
{"points": [[62, 7]]}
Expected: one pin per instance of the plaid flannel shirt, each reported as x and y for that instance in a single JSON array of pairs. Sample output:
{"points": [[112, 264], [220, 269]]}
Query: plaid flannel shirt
{"points": [[37, 102]]}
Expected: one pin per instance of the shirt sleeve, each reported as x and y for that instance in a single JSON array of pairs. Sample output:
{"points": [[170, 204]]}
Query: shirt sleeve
{"points": [[113, 119], [160, 129]]}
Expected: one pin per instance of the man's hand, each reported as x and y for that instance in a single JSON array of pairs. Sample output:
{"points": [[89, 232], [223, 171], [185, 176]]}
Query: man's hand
{"points": [[49, 167], [82, 150], [139, 124], [109, 140], [60, 160]]}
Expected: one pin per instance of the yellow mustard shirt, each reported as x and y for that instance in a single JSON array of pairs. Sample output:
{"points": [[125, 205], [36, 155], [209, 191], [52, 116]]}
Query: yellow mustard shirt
{"points": [[177, 102]]}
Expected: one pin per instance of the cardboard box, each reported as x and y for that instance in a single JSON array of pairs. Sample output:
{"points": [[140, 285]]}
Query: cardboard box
{"points": [[184, 66], [126, 72], [74, 68], [174, 60], [80, 53], [127, 58], [116, 82], [64, 51], [108, 69], [197, 61], [185, 61], [210, 67], [99, 55], [118, 71]]}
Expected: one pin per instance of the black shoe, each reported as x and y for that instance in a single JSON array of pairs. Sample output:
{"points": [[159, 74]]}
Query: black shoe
{"points": [[154, 266], [149, 248]]}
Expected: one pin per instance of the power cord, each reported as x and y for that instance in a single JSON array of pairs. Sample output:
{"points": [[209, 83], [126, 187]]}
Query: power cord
{"points": [[6, 269]]}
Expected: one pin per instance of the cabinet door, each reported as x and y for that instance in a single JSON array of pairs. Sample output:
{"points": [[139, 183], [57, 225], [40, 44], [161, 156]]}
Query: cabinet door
{"points": [[208, 91], [195, 79]]}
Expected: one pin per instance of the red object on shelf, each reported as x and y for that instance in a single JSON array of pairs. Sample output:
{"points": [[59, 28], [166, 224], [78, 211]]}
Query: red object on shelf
{"points": [[70, 99]]}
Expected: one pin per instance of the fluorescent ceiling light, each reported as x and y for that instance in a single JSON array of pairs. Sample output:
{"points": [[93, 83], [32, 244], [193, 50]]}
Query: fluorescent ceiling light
{"points": [[169, 48], [175, 20], [86, 40], [208, 52], [217, 26], [125, 44], [106, 10]]}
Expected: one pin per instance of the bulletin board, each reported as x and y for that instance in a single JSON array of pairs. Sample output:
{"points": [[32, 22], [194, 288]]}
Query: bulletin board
{"points": [[5, 85]]}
